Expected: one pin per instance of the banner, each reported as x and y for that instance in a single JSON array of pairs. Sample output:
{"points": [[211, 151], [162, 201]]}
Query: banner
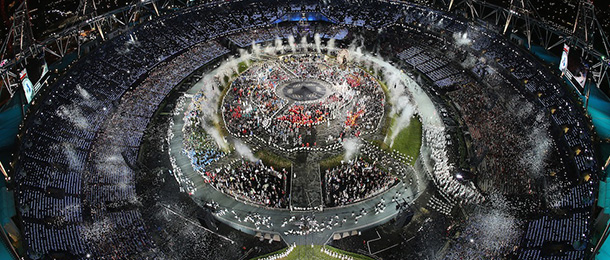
{"points": [[564, 58], [28, 89]]}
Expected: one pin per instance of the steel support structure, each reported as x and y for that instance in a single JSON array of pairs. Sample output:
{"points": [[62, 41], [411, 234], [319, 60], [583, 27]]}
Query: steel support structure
{"points": [[587, 33], [590, 33], [17, 46], [20, 44]]}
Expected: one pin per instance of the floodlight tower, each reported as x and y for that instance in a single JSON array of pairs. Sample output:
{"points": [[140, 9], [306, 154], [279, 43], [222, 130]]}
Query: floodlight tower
{"points": [[468, 3], [87, 9], [524, 10]]}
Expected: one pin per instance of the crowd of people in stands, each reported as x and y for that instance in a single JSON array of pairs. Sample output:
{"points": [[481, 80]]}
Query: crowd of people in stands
{"points": [[504, 125], [98, 126], [253, 182], [355, 181]]}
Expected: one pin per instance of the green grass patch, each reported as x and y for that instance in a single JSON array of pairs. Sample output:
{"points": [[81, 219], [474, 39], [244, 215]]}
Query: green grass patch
{"points": [[223, 132], [314, 253], [242, 66], [272, 159], [384, 128], [331, 162], [408, 140]]}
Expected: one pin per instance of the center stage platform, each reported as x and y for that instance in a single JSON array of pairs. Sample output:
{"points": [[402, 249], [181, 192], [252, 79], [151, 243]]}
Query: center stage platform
{"points": [[304, 90]]}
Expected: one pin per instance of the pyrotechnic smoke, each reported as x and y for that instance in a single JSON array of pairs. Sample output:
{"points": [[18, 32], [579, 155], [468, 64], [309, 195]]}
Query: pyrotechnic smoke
{"points": [[399, 86], [98, 230], [210, 87], [330, 46], [83, 93], [461, 39], [351, 147], [256, 49], [469, 62], [490, 233], [318, 42], [70, 153], [535, 137], [534, 158], [244, 151], [436, 159], [279, 45], [244, 53], [304, 44], [405, 112], [270, 50], [293, 47], [74, 114]]}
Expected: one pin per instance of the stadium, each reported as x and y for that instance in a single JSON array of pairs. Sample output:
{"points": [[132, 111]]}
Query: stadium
{"points": [[348, 129]]}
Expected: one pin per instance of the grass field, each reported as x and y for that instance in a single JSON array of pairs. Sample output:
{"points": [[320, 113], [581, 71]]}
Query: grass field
{"points": [[314, 253], [242, 66], [408, 140], [331, 162], [271, 159]]}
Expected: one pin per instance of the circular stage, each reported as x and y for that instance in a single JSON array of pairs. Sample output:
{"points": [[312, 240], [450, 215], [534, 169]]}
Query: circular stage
{"points": [[303, 90]]}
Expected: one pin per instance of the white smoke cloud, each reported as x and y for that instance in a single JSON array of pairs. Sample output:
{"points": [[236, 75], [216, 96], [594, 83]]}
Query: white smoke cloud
{"points": [[534, 158], [399, 85], [244, 151], [406, 111], [74, 115], [279, 45], [461, 39], [293, 46], [490, 233], [536, 140], [98, 230], [470, 61], [210, 87], [330, 46], [73, 161], [304, 43], [351, 147], [318, 42]]}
